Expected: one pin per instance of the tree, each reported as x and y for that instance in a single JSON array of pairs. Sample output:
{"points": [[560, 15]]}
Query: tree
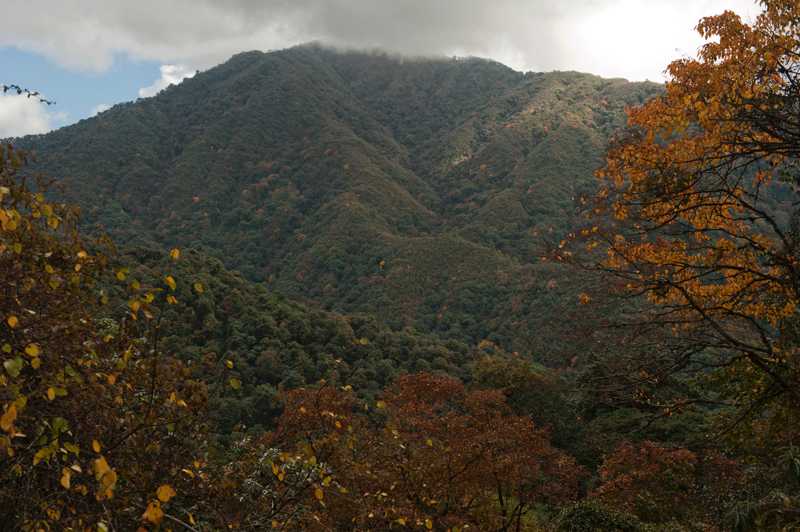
{"points": [[652, 482], [659, 484], [431, 453], [36, 95], [589, 515], [98, 427], [696, 213]]}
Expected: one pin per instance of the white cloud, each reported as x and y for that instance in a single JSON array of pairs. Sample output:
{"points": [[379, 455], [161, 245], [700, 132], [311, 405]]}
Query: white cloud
{"points": [[630, 38], [20, 116], [170, 75], [646, 35], [99, 108]]}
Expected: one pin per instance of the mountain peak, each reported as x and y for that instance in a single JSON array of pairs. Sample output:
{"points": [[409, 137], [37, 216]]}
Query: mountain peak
{"points": [[310, 167]]}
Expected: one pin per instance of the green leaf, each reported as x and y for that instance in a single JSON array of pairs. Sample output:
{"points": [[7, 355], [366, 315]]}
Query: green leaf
{"points": [[13, 366]]}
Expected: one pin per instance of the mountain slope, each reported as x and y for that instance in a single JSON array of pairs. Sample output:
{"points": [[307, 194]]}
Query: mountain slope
{"points": [[407, 189]]}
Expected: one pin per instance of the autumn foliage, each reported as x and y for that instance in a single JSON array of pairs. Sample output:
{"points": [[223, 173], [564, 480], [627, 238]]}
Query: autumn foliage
{"points": [[96, 423], [696, 214], [428, 453]]}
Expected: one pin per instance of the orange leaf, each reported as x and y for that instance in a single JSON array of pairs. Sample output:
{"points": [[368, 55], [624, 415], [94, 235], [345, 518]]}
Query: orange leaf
{"points": [[65, 478], [7, 420], [153, 513], [165, 493]]}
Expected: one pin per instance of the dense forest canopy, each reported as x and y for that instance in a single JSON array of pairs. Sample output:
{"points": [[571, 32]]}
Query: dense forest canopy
{"points": [[318, 290]]}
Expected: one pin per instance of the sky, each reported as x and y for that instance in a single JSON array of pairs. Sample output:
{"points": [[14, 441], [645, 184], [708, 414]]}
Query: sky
{"points": [[88, 55]]}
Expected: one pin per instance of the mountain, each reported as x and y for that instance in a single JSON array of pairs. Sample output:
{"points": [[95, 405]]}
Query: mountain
{"points": [[409, 190]]}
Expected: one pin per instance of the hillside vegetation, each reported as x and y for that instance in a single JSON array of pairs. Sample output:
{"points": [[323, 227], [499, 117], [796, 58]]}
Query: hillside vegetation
{"points": [[415, 191]]}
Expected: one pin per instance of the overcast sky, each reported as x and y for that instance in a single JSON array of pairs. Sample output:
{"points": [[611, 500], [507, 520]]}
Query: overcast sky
{"points": [[89, 54]]}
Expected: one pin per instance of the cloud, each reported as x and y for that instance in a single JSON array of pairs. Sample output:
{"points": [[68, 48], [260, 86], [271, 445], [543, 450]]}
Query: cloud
{"points": [[21, 116], [632, 38], [170, 75], [99, 108]]}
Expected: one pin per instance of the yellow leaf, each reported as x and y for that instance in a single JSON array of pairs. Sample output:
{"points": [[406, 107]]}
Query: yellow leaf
{"points": [[153, 513], [171, 299], [51, 393], [107, 483], [82, 254], [165, 493], [32, 350], [170, 282], [401, 521], [175, 254], [198, 287], [229, 363], [12, 321], [318, 494], [429, 524], [36, 363], [71, 447], [106, 476], [7, 419], [41, 454], [429, 442], [65, 477], [96, 446], [381, 404], [326, 481], [121, 275], [101, 467]]}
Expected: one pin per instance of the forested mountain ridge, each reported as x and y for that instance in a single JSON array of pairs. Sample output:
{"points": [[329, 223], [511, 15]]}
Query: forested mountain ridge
{"points": [[408, 189]]}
